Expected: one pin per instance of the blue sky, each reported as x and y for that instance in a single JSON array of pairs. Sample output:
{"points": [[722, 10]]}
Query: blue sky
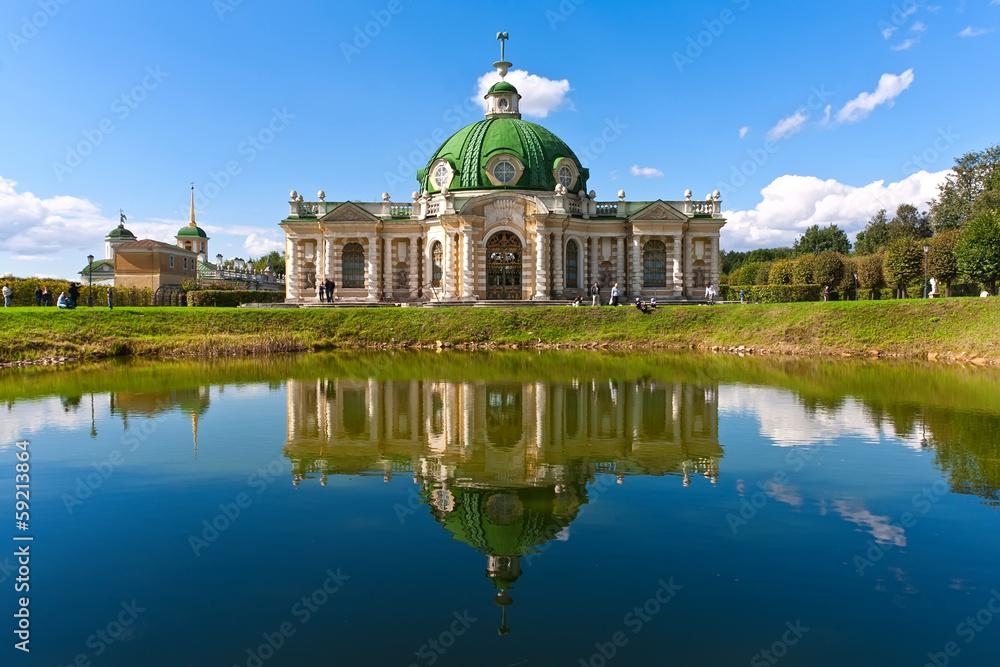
{"points": [[801, 113]]}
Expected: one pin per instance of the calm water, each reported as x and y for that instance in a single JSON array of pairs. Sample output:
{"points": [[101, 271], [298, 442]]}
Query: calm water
{"points": [[512, 509]]}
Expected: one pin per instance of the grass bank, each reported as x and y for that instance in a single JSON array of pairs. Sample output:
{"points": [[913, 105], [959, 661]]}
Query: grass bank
{"points": [[912, 328]]}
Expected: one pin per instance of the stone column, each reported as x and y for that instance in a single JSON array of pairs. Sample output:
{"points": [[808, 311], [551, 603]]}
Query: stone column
{"points": [[413, 257], [637, 270], [371, 268], [688, 271], [449, 266], [558, 273], [328, 268], [468, 276], [387, 273], [678, 272], [620, 268], [292, 269], [541, 266], [595, 262], [585, 278], [716, 260]]}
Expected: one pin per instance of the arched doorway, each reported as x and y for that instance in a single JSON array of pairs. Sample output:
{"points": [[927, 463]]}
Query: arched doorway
{"points": [[503, 267]]}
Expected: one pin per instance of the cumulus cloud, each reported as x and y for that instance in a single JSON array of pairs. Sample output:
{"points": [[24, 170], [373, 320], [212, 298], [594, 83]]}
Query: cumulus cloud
{"points": [[260, 243], [539, 96], [974, 32], [792, 204], [645, 172], [890, 86], [744, 130], [786, 127]]}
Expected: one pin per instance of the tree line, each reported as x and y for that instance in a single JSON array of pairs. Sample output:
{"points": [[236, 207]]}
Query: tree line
{"points": [[960, 229]]}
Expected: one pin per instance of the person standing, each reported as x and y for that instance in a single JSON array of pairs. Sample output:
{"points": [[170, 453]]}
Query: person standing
{"points": [[614, 295], [38, 295], [46, 296], [111, 298], [329, 290], [595, 295], [826, 292], [8, 295], [322, 290], [74, 294]]}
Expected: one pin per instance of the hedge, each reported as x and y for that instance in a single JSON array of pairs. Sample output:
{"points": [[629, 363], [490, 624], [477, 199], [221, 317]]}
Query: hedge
{"points": [[773, 293], [24, 289], [231, 298]]}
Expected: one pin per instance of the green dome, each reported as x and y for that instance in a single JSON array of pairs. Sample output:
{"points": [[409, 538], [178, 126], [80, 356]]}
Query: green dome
{"points": [[502, 87], [193, 231], [120, 232], [470, 149]]}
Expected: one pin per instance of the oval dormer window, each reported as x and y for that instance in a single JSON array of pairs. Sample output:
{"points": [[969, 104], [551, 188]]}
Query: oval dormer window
{"points": [[504, 172], [442, 176], [503, 104], [566, 176]]}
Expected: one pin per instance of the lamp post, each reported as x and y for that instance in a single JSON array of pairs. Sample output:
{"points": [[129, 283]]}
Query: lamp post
{"points": [[90, 281], [927, 249]]}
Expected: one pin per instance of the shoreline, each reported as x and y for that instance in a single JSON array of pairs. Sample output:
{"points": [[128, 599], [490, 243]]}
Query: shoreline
{"points": [[949, 330]]}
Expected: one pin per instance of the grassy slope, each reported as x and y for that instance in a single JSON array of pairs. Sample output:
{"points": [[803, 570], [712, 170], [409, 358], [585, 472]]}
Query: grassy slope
{"points": [[903, 328]]}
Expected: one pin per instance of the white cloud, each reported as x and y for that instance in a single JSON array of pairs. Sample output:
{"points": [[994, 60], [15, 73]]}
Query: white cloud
{"points": [[904, 45], [38, 227], [791, 204], [260, 243], [974, 32], [786, 127], [890, 86], [645, 172], [539, 96], [889, 31], [744, 130], [919, 26]]}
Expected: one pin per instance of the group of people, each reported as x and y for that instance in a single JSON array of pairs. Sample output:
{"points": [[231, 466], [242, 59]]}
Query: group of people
{"points": [[595, 295], [67, 300], [325, 290], [642, 306]]}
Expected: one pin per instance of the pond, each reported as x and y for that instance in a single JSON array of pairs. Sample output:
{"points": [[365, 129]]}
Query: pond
{"points": [[502, 509]]}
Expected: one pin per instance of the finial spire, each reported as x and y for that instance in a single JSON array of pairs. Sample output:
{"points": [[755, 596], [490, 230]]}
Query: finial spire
{"points": [[121, 217], [502, 65], [193, 223]]}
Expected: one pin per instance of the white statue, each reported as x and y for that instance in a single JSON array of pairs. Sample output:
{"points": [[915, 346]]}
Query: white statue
{"points": [[934, 286]]}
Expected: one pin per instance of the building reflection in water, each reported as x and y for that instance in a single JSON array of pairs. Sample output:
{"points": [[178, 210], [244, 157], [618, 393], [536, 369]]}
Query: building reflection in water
{"points": [[504, 466]]}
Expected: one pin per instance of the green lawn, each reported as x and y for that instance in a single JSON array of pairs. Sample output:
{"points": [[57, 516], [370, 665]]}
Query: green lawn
{"points": [[898, 328]]}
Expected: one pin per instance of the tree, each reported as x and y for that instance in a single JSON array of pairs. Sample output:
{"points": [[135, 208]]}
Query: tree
{"points": [[941, 261], [870, 275], [974, 188], [978, 249], [816, 240], [277, 262], [829, 268], [781, 272], [748, 274], [802, 273], [902, 263], [875, 235], [910, 223]]}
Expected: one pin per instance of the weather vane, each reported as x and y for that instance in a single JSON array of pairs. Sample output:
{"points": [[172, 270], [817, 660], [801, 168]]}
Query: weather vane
{"points": [[121, 216], [503, 37]]}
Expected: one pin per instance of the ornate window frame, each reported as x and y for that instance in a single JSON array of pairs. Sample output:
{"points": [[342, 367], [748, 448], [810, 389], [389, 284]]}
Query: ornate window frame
{"points": [[654, 263], [432, 181], [504, 157], [568, 163], [350, 267]]}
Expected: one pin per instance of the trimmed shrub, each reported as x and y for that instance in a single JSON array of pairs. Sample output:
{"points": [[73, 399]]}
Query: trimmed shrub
{"points": [[773, 293], [903, 262], [764, 273], [23, 290], [231, 298], [748, 274], [781, 272], [802, 274], [829, 268]]}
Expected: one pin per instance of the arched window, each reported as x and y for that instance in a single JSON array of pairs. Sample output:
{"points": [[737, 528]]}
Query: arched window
{"points": [[572, 264], [353, 267], [654, 264], [437, 265]]}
